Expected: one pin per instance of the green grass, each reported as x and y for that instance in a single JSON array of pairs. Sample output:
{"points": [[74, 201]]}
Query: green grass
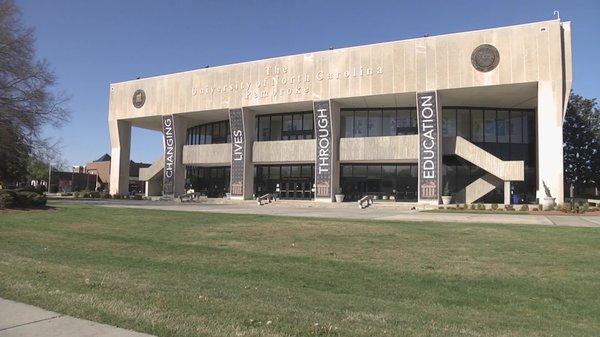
{"points": [[202, 274]]}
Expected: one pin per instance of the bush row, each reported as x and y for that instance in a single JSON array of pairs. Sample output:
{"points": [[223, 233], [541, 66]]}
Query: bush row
{"points": [[579, 207], [104, 195], [21, 199]]}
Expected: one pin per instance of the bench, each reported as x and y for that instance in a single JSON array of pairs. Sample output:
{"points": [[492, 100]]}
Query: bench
{"points": [[269, 197], [367, 199], [190, 196]]}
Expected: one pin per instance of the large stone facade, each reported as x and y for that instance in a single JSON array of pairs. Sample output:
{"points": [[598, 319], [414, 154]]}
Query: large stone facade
{"points": [[532, 69]]}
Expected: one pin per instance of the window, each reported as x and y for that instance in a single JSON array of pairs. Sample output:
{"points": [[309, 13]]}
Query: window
{"points": [[489, 122], [502, 126], [463, 123], [288, 126], [211, 133], [476, 126], [392, 181], [449, 122], [516, 127], [378, 122], [374, 129]]}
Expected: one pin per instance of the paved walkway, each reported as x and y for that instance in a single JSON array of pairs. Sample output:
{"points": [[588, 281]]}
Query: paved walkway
{"points": [[381, 211], [24, 320]]}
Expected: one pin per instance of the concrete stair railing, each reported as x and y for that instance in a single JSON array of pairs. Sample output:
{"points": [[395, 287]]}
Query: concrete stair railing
{"points": [[151, 172], [510, 170], [498, 170], [477, 189]]}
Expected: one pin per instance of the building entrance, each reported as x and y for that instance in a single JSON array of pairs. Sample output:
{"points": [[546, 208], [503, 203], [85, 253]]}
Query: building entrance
{"points": [[288, 181]]}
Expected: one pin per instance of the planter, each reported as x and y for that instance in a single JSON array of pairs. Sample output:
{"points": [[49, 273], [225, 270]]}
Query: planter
{"points": [[446, 199], [339, 198], [549, 203]]}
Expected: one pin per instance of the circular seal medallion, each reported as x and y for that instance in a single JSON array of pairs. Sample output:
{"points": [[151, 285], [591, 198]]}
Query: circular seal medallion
{"points": [[485, 58], [139, 98]]}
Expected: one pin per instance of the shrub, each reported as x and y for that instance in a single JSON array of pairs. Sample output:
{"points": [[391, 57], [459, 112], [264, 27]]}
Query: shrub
{"points": [[494, 206], [106, 195], [117, 196], [76, 194], [7, 199], [440, 207], [39, 200], [473, 206], [524, 208], [535, 209], [136, 197], [465, 206], [94, 194], [481, 207]]}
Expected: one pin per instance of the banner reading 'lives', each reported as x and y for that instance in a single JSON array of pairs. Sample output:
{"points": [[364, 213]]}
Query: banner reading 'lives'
{"points": [[168, 129], [429, 146], [236, 120], [323, 165]]}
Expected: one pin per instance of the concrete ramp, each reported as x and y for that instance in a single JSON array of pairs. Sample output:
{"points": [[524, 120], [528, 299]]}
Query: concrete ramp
{"points": [[152, 172]]}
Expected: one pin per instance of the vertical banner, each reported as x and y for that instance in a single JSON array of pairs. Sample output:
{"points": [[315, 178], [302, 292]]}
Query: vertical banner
{"points": [[236, 120], [429, 147], [168, 129], [323, 158]]}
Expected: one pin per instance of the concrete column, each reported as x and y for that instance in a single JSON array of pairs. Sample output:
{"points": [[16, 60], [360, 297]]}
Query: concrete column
{"points": [[153, 187], [120, 140], [507, 192], [242, 169], [550, 139]]}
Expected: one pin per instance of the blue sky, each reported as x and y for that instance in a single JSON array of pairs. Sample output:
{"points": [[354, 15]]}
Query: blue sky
{"points": [[93, 43]]}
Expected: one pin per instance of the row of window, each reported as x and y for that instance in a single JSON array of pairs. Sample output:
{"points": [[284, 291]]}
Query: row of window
{"points": [[489, 125], [211, 133], [378, 122], [288, 126], [476, 125]]}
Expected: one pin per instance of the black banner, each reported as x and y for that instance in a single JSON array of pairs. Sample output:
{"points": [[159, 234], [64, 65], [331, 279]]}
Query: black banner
{"points": [[168, 127], [323, 158], [236, 120], [429, 146]]}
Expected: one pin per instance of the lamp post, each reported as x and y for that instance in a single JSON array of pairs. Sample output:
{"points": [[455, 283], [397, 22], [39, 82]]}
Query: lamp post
{"points": [[49, 176]]}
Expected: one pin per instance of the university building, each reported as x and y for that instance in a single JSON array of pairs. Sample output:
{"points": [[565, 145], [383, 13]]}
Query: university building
{"points": [[476, 115]]}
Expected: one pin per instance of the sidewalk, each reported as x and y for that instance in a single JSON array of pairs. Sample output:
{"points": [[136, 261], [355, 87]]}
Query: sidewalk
{"points": [[23, 320], [379, 211]]}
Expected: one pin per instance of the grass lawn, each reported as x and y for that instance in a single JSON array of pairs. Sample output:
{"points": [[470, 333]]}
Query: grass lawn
{"points": [[201, 274]]}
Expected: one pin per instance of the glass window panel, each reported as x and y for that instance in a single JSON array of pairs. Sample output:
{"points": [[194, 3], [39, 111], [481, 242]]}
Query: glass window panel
{"points": [[306, 171], [297, 122], [413, 118], [374, 128], [359, 171], [308, 123], [403, 171], [448, 122], [264, 128], [275, 128], [216, 132], [360, 123], [502, 126], [295, 170], [274, 172], [346, 171], [489, 123], [516, 127], [208, 135], [528, 127], [477, 125], [388, 127], [287, 123], [463, 123], [285, 171], [374, 171], [389, 171], [347, 122]]}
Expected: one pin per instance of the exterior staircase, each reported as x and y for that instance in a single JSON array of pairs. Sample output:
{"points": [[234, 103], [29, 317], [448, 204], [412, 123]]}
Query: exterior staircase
{"points": [[498, 170], [153, 171]]}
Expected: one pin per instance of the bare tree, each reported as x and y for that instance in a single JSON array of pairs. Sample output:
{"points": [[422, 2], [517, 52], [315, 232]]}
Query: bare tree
{"points": [[27, 99]]}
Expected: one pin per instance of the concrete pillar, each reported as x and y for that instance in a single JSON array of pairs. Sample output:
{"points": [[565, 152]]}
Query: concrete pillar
{"points": [[120, 140], [507, 192], [550, 139], [327, 134], [241, 122], [153, 187]]}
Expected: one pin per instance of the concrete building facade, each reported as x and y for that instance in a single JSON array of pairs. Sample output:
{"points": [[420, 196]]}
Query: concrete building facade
{"points": [[475, 115]]}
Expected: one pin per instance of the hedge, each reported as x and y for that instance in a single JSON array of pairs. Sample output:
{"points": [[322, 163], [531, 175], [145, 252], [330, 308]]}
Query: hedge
{"points": [[21, 199]]}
